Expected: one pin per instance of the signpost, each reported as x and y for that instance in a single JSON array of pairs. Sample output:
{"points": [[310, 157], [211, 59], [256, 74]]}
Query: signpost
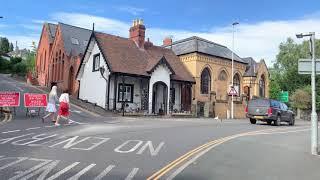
{"points": [[304, 66], [233, 92], [284, 96], [32, 100]]}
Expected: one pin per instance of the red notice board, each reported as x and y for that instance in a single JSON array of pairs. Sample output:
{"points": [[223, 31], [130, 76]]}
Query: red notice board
{"points": [[35, 100], [9, 99]]}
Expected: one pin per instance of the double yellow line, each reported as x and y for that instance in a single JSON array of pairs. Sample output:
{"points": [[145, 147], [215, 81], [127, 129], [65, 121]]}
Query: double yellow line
{"points": [[7, 115], [181, 159]]}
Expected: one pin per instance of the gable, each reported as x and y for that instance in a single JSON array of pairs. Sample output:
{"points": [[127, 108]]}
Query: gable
{"points": [[162, 62]]}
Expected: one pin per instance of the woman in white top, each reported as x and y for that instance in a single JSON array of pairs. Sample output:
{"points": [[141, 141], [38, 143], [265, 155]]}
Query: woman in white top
{"points": [[64, 107], [51, 106]]}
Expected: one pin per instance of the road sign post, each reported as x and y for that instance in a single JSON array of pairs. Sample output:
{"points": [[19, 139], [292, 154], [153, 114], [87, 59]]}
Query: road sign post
{"points": [[284, 96], [305, 67]]}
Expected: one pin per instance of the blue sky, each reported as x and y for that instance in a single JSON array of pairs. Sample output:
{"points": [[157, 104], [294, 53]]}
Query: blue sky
{"points": [[263, 24]]}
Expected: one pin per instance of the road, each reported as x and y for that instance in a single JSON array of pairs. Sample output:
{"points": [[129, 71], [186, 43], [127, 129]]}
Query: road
{"points": [[96, 147]]}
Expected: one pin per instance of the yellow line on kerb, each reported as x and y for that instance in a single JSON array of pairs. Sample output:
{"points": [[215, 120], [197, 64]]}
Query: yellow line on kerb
{"points": [[184, 157]]}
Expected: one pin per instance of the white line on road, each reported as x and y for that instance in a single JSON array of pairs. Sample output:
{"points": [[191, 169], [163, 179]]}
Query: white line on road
{"points": [[104, 172], [132, 173], [79, 174], [11, 131], [33, 128]]}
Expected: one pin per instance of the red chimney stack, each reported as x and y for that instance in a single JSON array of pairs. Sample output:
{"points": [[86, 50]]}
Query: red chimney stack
{"points": [[137, 32]]}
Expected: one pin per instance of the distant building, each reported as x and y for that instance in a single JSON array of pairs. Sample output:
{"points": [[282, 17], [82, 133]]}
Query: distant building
{"points": [[22, 53], [61, 47], [210, 65]]}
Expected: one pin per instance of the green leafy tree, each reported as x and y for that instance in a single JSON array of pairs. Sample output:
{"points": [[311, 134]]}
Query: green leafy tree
{"points": [[11, 47], [4, 66], [30, 62], [4, 45], [301, 98]]}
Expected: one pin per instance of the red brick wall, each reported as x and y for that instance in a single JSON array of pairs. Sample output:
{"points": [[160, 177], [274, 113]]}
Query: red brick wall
{"points": [[59, 65], [42, 59]]}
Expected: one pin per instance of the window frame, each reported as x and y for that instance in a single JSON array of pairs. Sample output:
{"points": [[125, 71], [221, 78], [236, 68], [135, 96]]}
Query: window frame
{"points": [[209, 81], [94, 62], [237, 83], [121, 91]]}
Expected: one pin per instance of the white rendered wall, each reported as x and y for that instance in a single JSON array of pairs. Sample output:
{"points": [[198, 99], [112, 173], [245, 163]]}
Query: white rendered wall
{"points": [[93, 87]]}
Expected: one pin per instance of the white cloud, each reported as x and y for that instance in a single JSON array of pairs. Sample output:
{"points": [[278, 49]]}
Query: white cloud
{"points": [[258, 40], [130, 9]]}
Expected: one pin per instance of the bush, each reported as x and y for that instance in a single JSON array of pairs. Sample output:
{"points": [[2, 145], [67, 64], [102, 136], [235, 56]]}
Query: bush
{"points": [[4, 66], [19, 69], [301, 98]]}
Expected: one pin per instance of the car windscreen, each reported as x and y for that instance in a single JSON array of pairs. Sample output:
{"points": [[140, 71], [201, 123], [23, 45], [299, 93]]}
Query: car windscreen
{"points": [[259, 102]]}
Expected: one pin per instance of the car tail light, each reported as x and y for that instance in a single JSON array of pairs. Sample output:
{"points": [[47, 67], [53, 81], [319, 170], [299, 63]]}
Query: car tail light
{"points": [[270, 111], [246, 109]]}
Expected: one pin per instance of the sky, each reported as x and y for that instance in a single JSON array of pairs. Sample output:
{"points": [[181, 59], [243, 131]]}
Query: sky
{"points": [[263, 24]]}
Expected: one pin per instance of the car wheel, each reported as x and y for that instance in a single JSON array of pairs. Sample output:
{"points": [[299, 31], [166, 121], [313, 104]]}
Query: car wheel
{"points": [[269, 122], [292, 121], [277, 122], [253, 121]]}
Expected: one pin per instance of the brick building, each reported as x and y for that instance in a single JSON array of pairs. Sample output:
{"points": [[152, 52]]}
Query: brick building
{"points": [[60, 50], [210, 65]]}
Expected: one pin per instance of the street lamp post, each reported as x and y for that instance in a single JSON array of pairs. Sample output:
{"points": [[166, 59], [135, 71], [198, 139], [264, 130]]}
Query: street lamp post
{"points": [[314, 116], [232, 68]]}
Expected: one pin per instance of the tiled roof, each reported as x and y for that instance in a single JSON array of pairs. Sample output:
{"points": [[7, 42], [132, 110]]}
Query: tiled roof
{"points": [[197, 44], [251, 69], [124, 56], [71, 35]]}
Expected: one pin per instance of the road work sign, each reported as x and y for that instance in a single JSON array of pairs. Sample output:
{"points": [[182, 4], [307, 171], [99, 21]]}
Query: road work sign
{"points": [[9, 99], [35, 100]]}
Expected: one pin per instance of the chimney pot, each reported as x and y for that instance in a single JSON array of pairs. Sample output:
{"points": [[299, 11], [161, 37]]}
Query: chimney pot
{"points": [[137, 33], [167, 41]]}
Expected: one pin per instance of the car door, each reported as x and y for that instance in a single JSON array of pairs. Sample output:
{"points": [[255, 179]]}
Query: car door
{"points": [[284, 112]]}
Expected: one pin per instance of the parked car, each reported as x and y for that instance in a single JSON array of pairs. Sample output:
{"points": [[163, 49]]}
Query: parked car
{"points": [[269, 111]]}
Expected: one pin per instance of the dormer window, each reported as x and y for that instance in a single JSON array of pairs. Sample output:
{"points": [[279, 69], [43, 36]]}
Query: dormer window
{"points": [[74, 41]]}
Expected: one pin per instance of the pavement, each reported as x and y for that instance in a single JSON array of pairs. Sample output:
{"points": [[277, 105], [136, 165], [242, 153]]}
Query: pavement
{"points": [[113, 147]]}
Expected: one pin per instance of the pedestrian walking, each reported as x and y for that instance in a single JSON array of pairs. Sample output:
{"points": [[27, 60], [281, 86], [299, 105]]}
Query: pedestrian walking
{"points": [[64, 107], [51, 106]]}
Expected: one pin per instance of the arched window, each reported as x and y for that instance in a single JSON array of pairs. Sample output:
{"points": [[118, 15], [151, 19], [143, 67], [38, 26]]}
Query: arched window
{"points": [[262, 85], [205, 81], [223, 76], [236, 83]]}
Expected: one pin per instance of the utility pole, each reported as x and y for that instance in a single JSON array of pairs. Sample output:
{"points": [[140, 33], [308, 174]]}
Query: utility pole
{"points": [[232, 68], [314, 116]]}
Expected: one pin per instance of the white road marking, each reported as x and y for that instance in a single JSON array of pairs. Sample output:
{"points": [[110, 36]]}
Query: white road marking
{"points": [[11, 131], [20, 159], [32, 128], [104, 172], [43, 171], [130, 150], [132, 173], [79, 174], [45, 161], [63, 171], [153, 151]]}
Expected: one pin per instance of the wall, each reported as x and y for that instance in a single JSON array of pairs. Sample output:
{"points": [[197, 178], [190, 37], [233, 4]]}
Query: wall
{"points": [[177, 87], [92, 84], [161, 73], [42, 59]]}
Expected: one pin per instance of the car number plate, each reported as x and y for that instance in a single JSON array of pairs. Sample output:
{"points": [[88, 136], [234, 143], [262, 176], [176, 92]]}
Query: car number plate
{"points": [[258, 117]]}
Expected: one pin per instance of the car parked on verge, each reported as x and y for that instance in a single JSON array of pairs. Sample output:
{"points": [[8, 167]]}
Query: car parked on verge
{"points": [[269, 111]]}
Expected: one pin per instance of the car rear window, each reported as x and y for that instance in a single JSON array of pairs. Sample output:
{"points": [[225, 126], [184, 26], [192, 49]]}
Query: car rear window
{"points": [[259, 102]]}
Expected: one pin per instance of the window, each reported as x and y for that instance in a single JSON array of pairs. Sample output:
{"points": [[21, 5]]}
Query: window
{"points": [[74, 41], [96, 62], [172, 95], [262, 86], [223, 76], [126, 92], [236, 83], [205, 81]]}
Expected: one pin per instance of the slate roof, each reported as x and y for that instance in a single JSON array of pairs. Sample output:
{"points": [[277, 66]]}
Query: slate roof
{"points": [[52, 31], [251, 69], [123, 55], [197, 44], [81, 34]]}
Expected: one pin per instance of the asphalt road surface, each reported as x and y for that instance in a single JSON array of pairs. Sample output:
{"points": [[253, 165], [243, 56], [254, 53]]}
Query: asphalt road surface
{"points": [[96, 147]]}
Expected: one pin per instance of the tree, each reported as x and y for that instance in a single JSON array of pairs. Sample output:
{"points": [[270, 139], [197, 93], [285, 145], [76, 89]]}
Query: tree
{"points": [[30, 62], [11, 47], [4, 45], [285, 70]]}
